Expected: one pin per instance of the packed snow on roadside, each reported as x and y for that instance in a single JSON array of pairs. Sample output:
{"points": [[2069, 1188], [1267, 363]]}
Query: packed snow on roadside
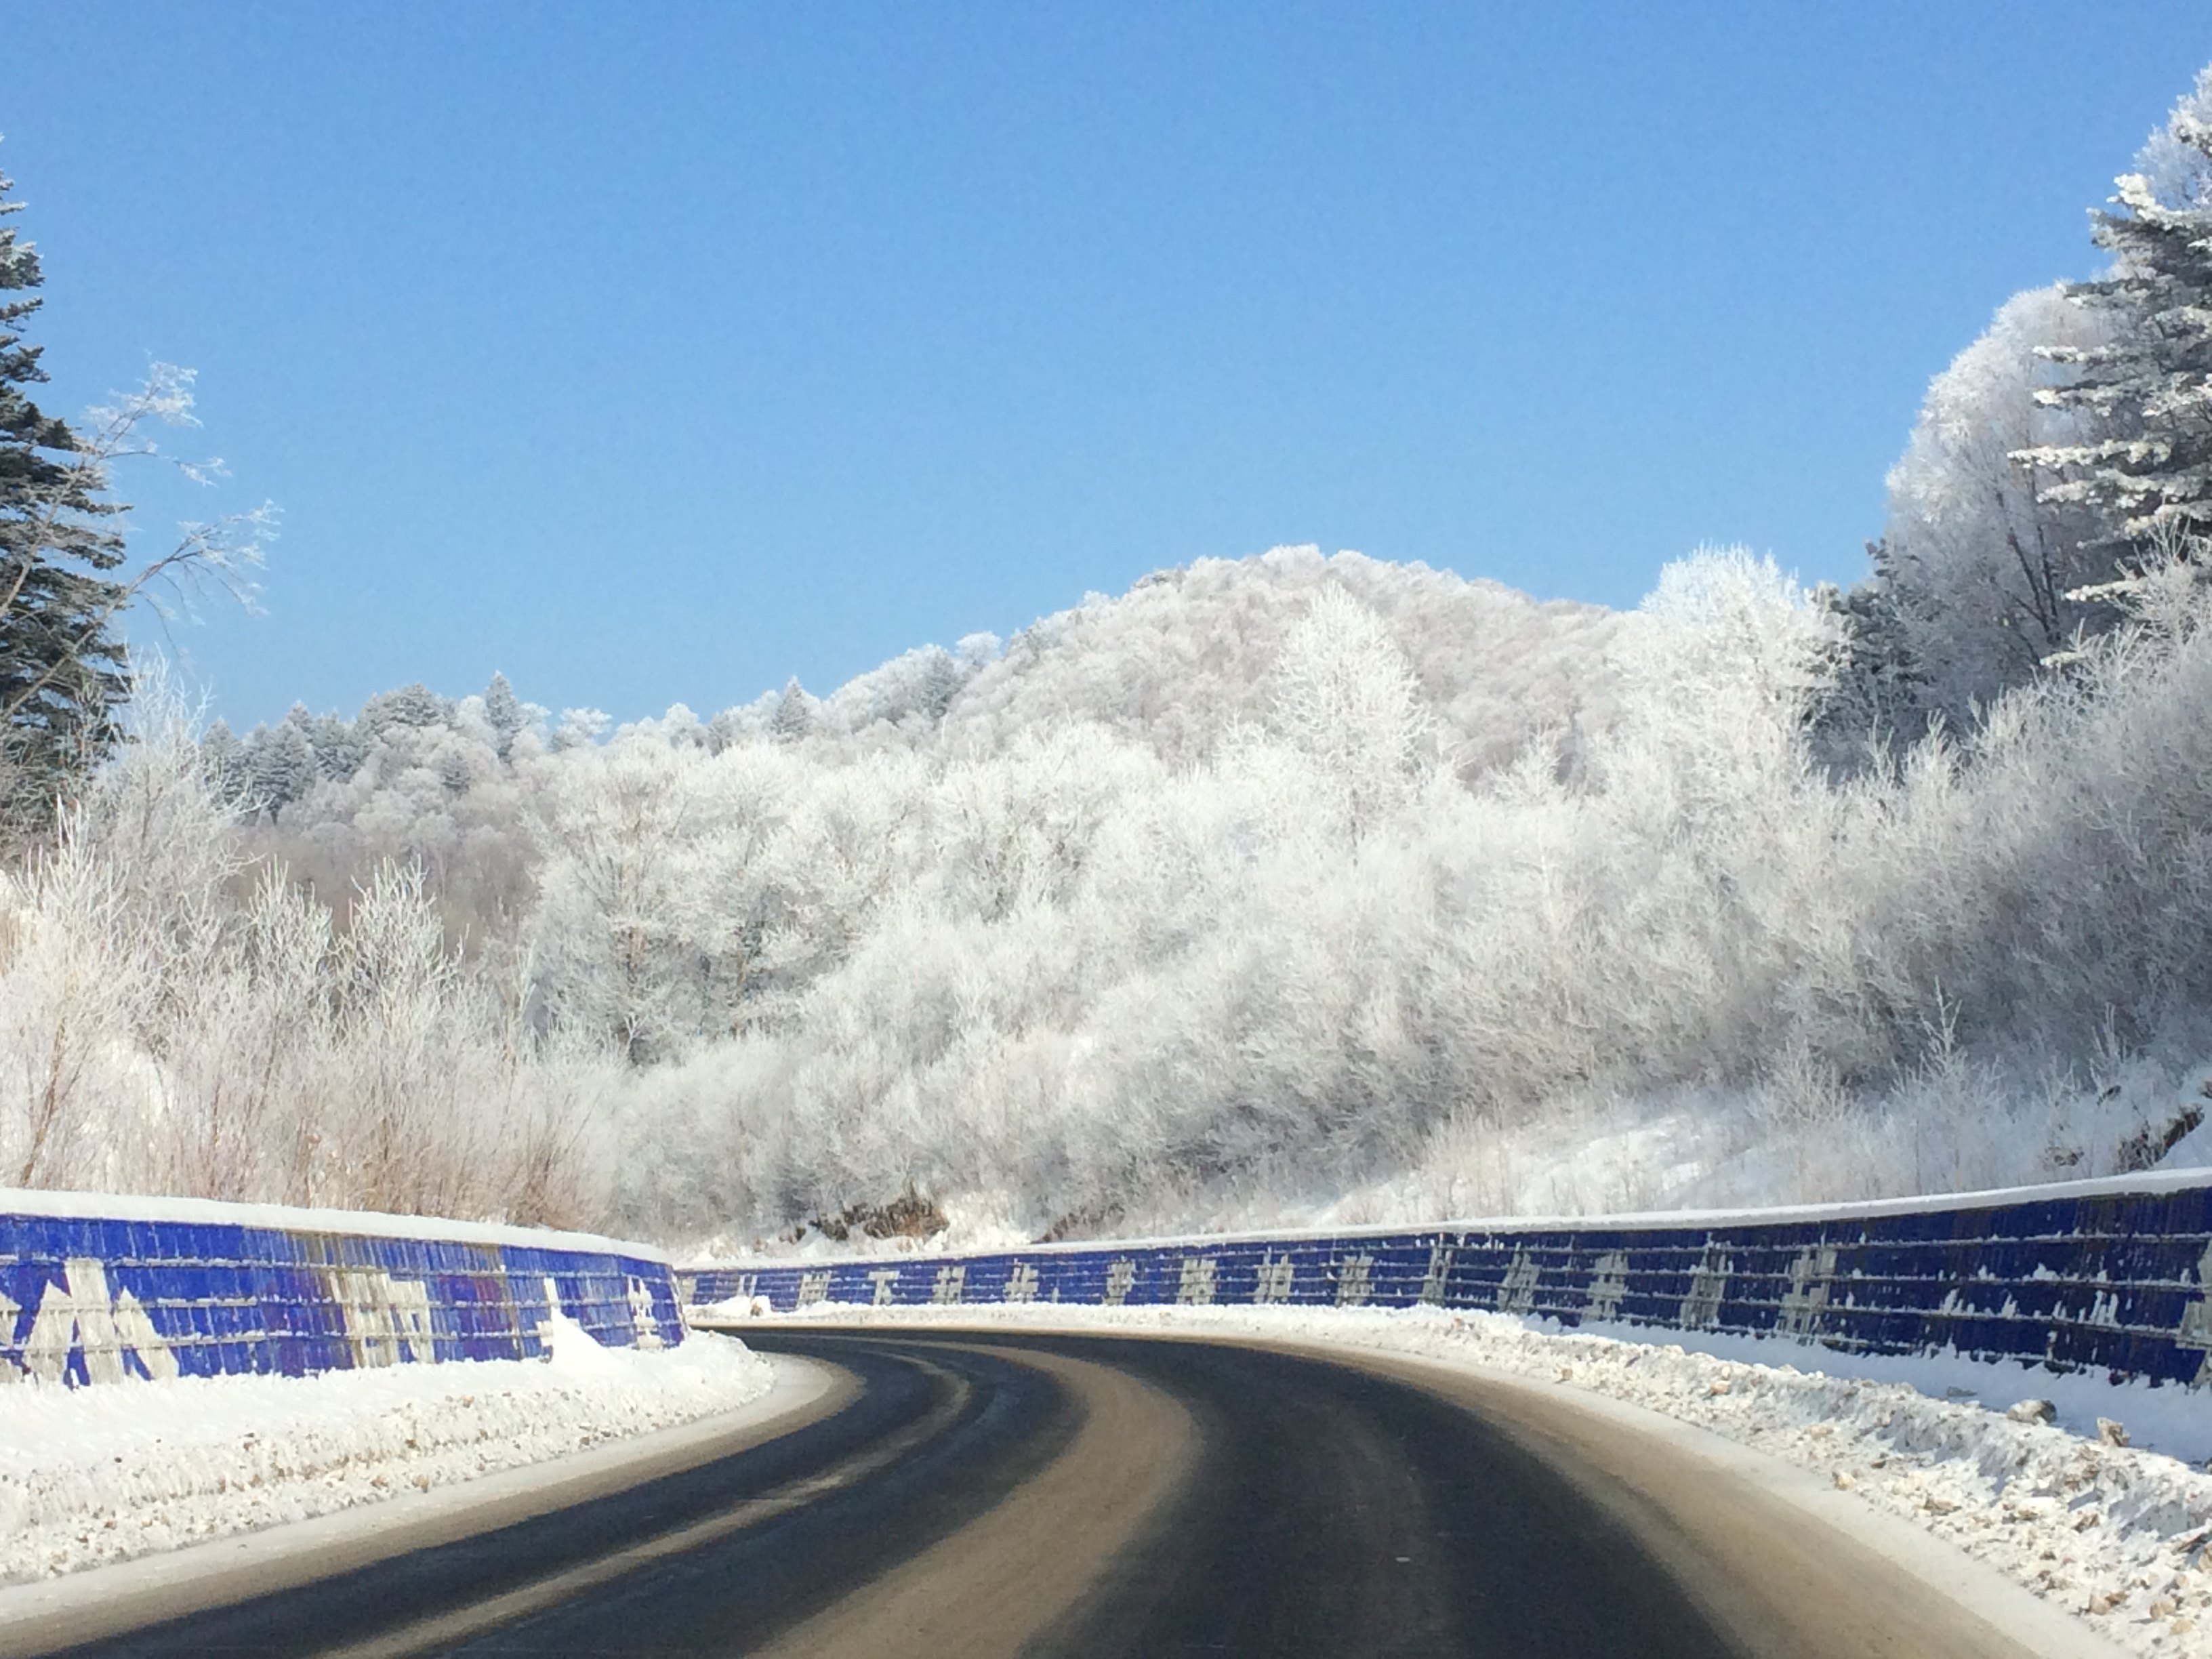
{"points": [[2120, 1534], [93, 1475]]}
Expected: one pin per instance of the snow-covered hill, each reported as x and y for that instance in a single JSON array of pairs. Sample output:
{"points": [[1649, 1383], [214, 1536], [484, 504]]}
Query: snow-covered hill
{"points": [[1188, 655]]}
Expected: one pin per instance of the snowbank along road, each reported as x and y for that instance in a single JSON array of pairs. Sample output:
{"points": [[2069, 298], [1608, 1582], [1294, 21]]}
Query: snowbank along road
{"points": [[998, 1492]]}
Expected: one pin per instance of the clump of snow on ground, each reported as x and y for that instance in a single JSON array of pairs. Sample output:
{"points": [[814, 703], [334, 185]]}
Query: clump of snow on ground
{"points": [[2119, 1534], [98, 1474]]}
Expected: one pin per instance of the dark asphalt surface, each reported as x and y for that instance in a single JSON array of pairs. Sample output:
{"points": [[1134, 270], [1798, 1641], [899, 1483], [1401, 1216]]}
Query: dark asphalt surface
{"points": [[1332, 1511], [1324, 1510]]}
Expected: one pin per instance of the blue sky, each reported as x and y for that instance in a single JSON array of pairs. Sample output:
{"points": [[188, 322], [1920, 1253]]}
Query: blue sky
{"points": [[657, 353]]}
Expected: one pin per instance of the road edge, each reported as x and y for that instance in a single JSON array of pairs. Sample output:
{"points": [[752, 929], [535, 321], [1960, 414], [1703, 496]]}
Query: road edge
{"points": [[2002, 1602], [49, 1614]]}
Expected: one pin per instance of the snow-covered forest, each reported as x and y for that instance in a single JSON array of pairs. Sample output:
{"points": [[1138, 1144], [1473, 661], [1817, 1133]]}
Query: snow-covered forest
{"points": [[1290, 887]]}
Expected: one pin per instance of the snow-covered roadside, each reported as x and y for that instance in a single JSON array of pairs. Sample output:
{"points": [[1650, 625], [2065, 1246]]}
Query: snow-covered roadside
{"points": [[89, 1476], [2120, 1535]]}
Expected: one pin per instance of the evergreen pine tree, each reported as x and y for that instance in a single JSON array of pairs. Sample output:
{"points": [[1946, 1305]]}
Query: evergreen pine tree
{"points": [[339, 746], [726, 731], [415, 706], [938, 682], [2149, 473], [280, 766], [794, 715], [503, 712], [62, 669], [222, 763], [1872, 690]]}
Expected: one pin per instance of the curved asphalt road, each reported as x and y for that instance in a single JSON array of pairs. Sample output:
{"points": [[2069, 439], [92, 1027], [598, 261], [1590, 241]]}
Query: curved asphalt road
{"points": [[986, 1494]]}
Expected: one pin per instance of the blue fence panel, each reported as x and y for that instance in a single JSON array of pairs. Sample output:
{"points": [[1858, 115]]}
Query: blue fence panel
{"points": [[2090, 1276], [190, 1289]]}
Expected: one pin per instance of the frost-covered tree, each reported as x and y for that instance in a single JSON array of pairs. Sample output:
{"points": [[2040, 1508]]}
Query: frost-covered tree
{"points": [[579, 728], [64, 574], [61, 668], [2047, 460], [642, 937], [1976, 578], [1872, 690], [339, 748], [414, 708], [794, 717], [167, 1027], [1346, 697], [920, 685], [2146, 388], [222, 761], [726, 729], [503, 712], [1720, 662], [279, 762], [436, 795]]}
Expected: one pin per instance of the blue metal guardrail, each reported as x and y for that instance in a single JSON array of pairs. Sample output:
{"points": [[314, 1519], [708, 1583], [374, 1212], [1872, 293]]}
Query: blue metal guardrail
{"points": [[98, 1289], [2088, 1276]]}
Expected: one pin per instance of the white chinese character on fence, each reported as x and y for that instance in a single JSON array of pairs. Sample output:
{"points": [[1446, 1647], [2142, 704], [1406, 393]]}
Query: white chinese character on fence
{"points": [[80, 1315], [1609, 1285], [885, 1279], [387, 1320], [1807, 1298], [1121, 1279], [1708, 1285], [1516, 1293], [1277, 1273], [1354, 1280], [1022, 1283], [2196, 1330], [1197, 1285], [642, 1324], [813, 1287], [951, 1283], [1440, 1266]]}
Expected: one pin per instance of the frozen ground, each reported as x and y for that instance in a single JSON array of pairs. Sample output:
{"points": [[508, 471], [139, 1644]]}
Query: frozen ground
{"points": [[100, 1475], [2118, 1534]]}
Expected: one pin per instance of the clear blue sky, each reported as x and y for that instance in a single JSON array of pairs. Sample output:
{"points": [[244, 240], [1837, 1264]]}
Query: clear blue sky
{"points": [[657, 353]]}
